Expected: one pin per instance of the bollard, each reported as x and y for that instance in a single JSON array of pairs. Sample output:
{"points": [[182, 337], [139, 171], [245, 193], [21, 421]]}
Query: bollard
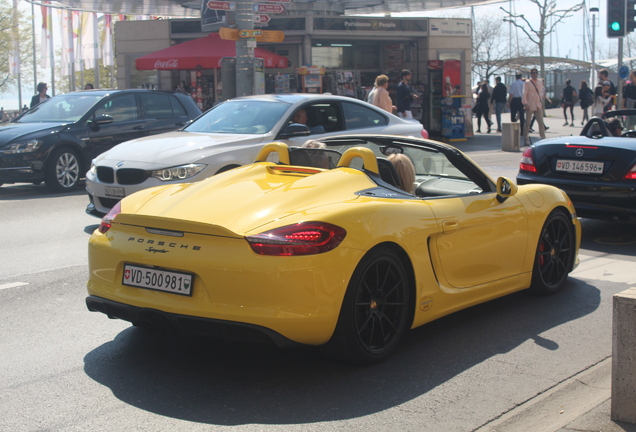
{"points": [[510, 137], [624, 357]]}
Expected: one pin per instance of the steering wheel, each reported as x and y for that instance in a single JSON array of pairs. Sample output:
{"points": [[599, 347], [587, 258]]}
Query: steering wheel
{"points": [[602, 128], [629, 133]]}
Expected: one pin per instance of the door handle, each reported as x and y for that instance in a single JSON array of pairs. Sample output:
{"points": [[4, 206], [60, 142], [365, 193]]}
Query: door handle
{"points": [[449, 226], [138, 128]]}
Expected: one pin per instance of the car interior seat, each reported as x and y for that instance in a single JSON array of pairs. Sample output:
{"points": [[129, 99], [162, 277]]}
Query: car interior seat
{"points": [[388, 173]]}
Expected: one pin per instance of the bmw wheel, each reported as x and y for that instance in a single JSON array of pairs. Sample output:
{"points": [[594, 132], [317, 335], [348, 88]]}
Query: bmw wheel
{"points": [[375, 312], [62, 172], [555, 252]]}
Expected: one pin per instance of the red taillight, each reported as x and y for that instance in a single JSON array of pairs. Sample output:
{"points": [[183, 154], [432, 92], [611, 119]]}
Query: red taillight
{"points": [[106, 220], [527, 163], [631, 174], [424, 134], [305, 238]]}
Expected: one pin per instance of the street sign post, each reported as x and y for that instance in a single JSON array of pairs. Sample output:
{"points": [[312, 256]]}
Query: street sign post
{"points": [[271, 36], [250, 33], [229, 34], [269, 8], [261, 19], [221, 5]]}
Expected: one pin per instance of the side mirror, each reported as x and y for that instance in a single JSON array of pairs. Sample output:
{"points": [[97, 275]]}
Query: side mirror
{"points": [[505, 188], [100, 121], [295, 130]]}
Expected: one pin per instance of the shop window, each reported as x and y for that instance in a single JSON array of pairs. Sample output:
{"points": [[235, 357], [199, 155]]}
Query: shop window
{"points": [[333, 57], [358, 116]]}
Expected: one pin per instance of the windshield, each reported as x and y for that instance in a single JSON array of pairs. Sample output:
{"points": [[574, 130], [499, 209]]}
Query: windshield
{"points": [[67, 108], [240, 117]]}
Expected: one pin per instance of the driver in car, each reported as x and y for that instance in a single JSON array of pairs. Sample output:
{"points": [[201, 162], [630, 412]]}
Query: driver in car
{"points": [[300, 116], [615, 127]]}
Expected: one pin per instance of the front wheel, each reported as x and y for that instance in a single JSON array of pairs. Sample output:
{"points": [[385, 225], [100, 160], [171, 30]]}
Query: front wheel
{"points": [[62, 172], [555, 252], [375, 311]]}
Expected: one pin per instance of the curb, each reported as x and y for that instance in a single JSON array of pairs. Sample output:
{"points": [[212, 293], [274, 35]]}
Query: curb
{"points": [[560, 405]]}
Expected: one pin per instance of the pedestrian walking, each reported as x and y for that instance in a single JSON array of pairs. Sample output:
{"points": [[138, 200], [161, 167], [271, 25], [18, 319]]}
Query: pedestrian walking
{"points": [[629, 92], [499, 99], [533, 94], [514, 100], [601, 99], [482, 107], [567, 101], [41, 96], [381, 97], [586, 98], [608, 88], [404, 95]]}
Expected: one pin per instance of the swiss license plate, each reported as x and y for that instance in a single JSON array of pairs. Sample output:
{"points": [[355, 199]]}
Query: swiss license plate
{"points": [[160, 280], [579, 166], [116, 192]]}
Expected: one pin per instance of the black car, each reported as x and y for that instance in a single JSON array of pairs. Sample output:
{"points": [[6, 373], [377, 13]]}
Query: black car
{"points": [[596, 169], [55, 141]]}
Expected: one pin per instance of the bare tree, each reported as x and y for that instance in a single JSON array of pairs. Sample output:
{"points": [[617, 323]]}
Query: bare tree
{"points": [[491, 53], [549, 17]]}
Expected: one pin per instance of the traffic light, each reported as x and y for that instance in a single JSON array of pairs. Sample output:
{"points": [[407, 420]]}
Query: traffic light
{"points": [[616, 18], [630, 14]]}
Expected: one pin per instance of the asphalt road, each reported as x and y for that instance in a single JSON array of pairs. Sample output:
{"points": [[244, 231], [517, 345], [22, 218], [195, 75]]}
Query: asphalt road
{"points": [[66, 369]]}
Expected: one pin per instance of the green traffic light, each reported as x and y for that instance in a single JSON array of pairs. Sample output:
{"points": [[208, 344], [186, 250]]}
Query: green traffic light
{"points": [[616, 26]]}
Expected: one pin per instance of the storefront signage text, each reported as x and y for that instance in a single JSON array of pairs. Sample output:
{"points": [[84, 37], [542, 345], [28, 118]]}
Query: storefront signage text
{"points": [[371, 25]]}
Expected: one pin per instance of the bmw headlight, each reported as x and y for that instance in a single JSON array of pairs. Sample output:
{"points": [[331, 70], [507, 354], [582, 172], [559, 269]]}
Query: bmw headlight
{"points": [[181, 172], [22, 147], [93, 169]]}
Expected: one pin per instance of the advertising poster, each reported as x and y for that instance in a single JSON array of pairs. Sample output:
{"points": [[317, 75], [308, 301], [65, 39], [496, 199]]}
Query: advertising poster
{"points": [[452, 77]]}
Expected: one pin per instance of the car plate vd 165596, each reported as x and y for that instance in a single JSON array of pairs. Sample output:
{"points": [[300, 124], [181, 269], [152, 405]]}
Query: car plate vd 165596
{"points": [[579, 166], [160, 280]]}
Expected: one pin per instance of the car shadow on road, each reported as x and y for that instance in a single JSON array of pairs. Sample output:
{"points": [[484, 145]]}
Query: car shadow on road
{"points": [[611, 237], [215, 382], [29, 191]]}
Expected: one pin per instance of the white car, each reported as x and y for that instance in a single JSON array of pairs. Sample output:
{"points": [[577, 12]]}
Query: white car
{"points": [[230, 135]]}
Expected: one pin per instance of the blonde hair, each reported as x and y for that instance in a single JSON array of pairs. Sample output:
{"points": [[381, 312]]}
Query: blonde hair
{"points": [[314, 144], [405, 170], [381, 80]]}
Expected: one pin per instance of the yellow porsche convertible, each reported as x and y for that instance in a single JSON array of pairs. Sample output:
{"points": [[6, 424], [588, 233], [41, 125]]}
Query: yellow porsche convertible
{"points": [[327, 247]]}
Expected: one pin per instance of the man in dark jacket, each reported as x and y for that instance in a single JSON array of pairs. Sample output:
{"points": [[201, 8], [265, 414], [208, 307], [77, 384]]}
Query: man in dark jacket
{"points": [[498, 98]]}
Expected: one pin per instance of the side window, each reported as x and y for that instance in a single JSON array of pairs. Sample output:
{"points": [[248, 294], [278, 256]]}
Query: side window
{"points": [[156, 105], [358, 116], [321, 117], [177, 109], [120, 108]]}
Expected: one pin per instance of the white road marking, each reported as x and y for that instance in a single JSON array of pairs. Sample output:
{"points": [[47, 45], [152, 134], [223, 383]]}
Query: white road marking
{"points": [[13, 285]]}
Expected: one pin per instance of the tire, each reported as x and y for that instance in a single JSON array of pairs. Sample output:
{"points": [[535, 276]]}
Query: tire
{"points": [[554, 256], [62, 171], [375, 312]]}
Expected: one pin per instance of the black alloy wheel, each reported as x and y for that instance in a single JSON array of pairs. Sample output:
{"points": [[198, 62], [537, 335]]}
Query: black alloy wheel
{"points": [[555, 252], [375, 312], [62, 172]]}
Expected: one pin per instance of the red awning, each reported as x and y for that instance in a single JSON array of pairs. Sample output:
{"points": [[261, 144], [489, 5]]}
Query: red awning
{"points": [[205, 53]]}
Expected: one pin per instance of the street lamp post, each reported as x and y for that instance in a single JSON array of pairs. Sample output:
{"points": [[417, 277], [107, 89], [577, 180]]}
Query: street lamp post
{"points": [[593, 10]]}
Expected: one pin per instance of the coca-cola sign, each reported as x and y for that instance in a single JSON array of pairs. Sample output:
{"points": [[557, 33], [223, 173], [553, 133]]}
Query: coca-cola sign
{"points": [[167, 64]]}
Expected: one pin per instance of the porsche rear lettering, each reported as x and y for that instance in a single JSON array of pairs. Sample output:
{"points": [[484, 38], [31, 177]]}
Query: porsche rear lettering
{"points": [[162, 243]]}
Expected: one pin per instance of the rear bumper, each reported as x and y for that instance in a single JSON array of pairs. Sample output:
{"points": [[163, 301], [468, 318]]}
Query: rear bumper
{"points": [[165, 321], [592, 199]]}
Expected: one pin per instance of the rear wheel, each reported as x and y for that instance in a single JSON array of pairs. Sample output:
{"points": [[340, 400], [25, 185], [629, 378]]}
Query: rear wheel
{"points": [[62, 172], [375, 310], [555, 252]]}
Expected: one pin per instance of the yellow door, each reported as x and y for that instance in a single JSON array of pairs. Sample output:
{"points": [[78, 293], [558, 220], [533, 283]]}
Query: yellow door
{"points": [[480, 240]]}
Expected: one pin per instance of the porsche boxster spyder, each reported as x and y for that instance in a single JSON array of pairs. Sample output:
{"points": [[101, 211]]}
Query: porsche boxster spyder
{"points": [[321, 246]]}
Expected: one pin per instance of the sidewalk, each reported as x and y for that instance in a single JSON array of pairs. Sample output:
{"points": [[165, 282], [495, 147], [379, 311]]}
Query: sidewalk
{"points": [[582, 402]]}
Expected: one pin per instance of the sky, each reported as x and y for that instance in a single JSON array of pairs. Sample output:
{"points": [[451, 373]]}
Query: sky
{"points": [[567, 42]]}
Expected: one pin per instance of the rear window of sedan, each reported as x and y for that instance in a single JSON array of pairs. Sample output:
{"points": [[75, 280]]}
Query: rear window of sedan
{"points": [[240, 117]]}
